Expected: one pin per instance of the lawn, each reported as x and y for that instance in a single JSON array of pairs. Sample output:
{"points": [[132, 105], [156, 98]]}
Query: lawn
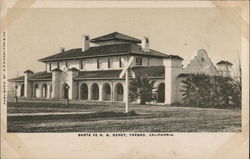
{"points": [[147, 119]]}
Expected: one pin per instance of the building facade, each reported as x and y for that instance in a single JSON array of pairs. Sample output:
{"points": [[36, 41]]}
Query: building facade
{"points": [[92, 71]]}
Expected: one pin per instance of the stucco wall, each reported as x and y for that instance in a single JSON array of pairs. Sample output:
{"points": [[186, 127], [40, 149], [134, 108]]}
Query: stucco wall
{"points": [[201, 63], [91, 63]]}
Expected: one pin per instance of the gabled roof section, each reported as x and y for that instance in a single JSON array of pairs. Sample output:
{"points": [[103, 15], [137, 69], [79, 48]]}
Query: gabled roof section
{"points": [[106, 50], [201, 63], [115, 36]]}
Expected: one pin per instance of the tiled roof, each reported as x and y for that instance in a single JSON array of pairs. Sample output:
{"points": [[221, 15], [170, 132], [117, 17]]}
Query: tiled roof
{"points": [[39, 76], [115, 36], [224, 62], [17, 79], [106, 50], [102, 74], [150, 72]]}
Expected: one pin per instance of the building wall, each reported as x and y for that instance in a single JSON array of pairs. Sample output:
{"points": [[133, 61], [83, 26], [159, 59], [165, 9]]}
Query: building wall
{"points": [[201, 63], [91, 63], [101, 83], [38, 92]]}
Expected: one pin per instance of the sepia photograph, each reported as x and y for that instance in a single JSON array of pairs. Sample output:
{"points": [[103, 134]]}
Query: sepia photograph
{"points": [[84, 70], [96, 77]]}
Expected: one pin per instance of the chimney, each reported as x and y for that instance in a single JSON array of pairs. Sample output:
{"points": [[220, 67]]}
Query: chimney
{"points": [[62, 49], [145, 44], [85, 42]]}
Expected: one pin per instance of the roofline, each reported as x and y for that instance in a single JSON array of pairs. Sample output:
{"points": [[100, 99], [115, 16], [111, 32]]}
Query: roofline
{"points": [[10, 80], [87, 57], [47, 79], [131, 41], [79, 78]]}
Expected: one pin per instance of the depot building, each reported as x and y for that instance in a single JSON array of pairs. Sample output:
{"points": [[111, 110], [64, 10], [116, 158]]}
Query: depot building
{"points": [[91, 72]]}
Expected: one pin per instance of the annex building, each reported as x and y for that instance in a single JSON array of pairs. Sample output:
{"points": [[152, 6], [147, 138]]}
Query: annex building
{"points": [[92, 71]]}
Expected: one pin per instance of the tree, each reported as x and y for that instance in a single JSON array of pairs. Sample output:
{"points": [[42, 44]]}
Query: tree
{"points": [[205, 90], [237, 83], [141, 87]]}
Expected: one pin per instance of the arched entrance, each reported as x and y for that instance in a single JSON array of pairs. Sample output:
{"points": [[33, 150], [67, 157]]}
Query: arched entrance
{"points": [[84, 91], [35, 90], [161, 93], [106, 90], [119, 92], [22, 90], [65, 91], [95, 92], [44, 90]]}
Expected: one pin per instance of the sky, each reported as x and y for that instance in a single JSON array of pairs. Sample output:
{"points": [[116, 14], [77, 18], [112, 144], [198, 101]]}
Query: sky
{"points": [[38, 33]]}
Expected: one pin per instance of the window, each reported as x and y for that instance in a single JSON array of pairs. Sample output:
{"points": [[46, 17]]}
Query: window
{"points": [[81, 64], [109, 62], [120, 62], [98, 63], [50, 66], [58, 64], [138, 61], [66, 63]]}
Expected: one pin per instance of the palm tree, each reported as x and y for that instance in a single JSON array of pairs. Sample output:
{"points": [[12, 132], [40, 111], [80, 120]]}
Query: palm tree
{"points": [[141, 87]]}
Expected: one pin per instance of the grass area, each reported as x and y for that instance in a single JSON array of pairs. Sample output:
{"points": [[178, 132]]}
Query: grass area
{"points": [[147, 119]]}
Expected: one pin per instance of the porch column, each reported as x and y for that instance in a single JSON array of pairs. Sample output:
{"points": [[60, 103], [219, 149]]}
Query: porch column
{"points": [[56, 73], [27, 84], [173, 67], [48, 91], [100, 92], [89, 91]]}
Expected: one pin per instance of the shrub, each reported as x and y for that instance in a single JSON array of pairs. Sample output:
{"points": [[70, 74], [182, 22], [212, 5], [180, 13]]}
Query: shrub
{"points": [[205, 90]]}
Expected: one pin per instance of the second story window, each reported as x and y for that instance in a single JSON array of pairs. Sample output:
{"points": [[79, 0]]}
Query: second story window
{"points": [[109, 62], [120, 62], [138, 61], [50, 66], [81, 64], [98, 63]]}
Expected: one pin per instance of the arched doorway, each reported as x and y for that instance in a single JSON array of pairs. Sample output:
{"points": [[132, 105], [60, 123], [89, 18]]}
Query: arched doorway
{"points": [[161, 93], [44, 90], [22, 90], [35, 90], [84, 91], [95, 92], [106, 90], [119, 92], [65, 91]]}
